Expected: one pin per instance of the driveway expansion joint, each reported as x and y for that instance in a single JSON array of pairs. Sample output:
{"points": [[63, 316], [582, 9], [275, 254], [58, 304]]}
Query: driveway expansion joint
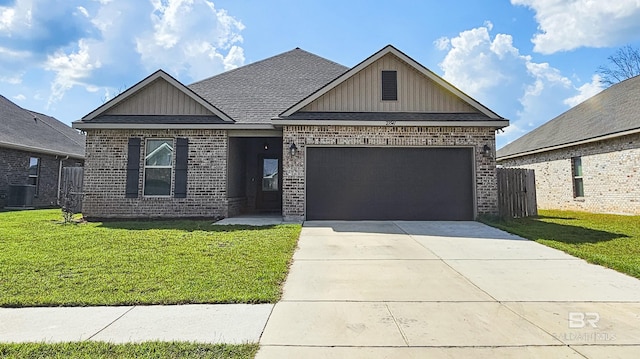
{"points": [[110, 324], [404, 336]]}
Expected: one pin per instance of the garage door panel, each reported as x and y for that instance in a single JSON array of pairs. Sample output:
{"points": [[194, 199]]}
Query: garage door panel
{"points": [[389, 183]]}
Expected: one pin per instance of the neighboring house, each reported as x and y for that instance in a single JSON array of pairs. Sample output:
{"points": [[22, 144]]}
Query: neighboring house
{"points": [[588, 158], [386, 139], [33, 150]]}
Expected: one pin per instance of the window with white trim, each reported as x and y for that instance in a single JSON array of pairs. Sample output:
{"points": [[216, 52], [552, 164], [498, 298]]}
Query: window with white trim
{"points": [[158, 163], [34, 172], [578, 186]]}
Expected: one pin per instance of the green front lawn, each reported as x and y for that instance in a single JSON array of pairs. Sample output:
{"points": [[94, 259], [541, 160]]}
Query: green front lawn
{"points": [[46, 263], [609, 240], [143, 350]]}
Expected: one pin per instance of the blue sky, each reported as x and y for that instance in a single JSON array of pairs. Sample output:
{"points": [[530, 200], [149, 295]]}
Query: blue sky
{"points": [[528, 60]]}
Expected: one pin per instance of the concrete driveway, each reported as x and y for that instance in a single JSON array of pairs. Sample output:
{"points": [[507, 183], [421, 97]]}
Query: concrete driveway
{"points": [[446, 290]]}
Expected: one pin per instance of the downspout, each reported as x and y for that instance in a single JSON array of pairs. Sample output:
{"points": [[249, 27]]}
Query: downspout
{"points": [[60, 177]]}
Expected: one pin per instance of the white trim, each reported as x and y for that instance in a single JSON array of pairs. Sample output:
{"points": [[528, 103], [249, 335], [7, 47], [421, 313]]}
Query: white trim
{"points": [[170, 167], [571, 144], [389, 49], [171, 126], [37, 175], [490, 123], [43, 151], [140, 85]]}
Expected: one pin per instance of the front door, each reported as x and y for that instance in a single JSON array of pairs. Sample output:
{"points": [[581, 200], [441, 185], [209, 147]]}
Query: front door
{"points": [[269, 198]]}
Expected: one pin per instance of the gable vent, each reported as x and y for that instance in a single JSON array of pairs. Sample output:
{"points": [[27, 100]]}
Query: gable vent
{"points": [[389, 85]]}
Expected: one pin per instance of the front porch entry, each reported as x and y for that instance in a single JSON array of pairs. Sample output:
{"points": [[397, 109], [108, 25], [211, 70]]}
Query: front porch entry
{"points": [[254, 181]]}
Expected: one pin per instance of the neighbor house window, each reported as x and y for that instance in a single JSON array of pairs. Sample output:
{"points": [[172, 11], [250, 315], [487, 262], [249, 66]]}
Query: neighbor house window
{"points": [[578, 186], [34, 172], [158, 162], [389, 85]]}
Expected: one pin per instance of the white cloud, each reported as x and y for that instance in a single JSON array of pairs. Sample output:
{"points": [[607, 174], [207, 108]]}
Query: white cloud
{"points": [[544, 71], [83, 11], [234, 58], [502, 45], [6, 17], [21, 55], [70, 70], [491, 69], [20, 97], [17, 18], [107, 42], [474, 60], [442, 43], [191, 38], [567, 25], [586, 91], [14, 79]]}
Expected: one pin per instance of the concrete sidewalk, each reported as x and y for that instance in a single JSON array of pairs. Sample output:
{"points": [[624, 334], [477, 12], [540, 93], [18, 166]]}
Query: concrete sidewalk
{"points": [[203, 323], [446, 290]]}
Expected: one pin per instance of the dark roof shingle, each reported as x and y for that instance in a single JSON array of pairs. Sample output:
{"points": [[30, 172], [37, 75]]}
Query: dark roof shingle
{"points": [[37, 132], [614, 110], [260, 91]]}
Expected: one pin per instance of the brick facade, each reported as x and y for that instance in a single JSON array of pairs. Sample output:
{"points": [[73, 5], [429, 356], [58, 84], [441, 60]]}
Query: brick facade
{"points": [[105, 176], [14, 170], [293, 206], [106, 163], [611, 176]]}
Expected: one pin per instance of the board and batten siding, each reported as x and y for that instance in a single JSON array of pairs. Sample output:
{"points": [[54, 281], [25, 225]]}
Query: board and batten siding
{"points": [[363, 92], [159, 98]]}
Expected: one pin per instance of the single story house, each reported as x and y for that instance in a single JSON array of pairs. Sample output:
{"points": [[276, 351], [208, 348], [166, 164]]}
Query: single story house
{"points": [[33, 150], [295, 134], [588, 158]]}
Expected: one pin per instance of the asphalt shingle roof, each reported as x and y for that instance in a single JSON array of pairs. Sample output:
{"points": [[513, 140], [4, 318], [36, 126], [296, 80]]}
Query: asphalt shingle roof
{"points": [[613, 110], [36, 131], [260, 91]]}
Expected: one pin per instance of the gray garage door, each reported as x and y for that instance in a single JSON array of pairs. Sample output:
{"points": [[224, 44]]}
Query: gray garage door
{"points": [[356, 183]]}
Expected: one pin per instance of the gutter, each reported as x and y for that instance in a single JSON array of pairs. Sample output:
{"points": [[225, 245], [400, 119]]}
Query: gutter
{"points": [[170, 126], [39, 150], [284, 122], [570, 144], [493, 123]]}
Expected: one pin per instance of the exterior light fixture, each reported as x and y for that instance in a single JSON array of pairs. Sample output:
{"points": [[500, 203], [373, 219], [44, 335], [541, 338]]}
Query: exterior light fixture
{"points": [[486, 151], [293, 149], [266, 146]]}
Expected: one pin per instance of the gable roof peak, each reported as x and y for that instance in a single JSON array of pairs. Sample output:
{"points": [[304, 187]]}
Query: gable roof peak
{"points": [[390, 49], [158, 74]]}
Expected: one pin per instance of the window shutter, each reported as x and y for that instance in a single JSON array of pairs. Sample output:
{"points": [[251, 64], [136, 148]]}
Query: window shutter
{"points": [[389, 85], [182, 157], [133, 167]]}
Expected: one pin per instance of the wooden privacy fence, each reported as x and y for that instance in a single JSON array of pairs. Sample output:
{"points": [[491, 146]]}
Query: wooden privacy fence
{"points": [[71, 189], [516, 193]]}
